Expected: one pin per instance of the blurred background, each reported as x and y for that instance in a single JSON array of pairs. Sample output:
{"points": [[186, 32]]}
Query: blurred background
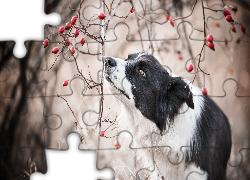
{"points": [[33, 117]]}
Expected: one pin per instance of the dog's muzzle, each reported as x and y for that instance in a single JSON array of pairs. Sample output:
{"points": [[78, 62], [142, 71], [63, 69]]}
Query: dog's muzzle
{"points": [[110, 65]]}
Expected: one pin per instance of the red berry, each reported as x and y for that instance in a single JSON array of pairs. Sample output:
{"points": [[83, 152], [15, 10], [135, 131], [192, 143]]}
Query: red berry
{"points": [[72, 50], [45, 43], [229, 18], [167, 17], [233, 29], [102, 133], [132, 9], [190, 67], [82, 41], [170, 18], [180, 56], [116, 144], [76, 32], [101, 16], [55, 50], [204, 91], [61, 29], [243, 29], [67, 42], [65, 83], [73, 20], [210, 37], [217, 24], [67, 26], [211, 45], [226, 12], [172, 23]]}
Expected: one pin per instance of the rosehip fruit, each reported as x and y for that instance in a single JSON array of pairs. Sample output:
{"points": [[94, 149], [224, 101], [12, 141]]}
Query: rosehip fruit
{"points": [[102, 133], [226, 12], [82, 41], [45, 43], [167, 17], [73, 20], [67, 42], [61, 29], [76, 32], [116, 144], [233, 29], [229, 18], [204, 91], [55, 50], [132, 9], [101, 16], [72, 50], [67, 26], [211, 45], [210, 37], [172, 23], [217, 24], [243, 29], [180, 56], [65, 83], [190, 67]]}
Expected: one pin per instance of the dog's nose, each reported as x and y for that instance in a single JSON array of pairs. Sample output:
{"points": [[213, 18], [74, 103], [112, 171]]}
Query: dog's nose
{"points": [[110, 61]]}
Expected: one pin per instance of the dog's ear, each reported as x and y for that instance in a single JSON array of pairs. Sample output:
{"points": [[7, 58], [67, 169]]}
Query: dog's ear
{"points": [[173, 93]]}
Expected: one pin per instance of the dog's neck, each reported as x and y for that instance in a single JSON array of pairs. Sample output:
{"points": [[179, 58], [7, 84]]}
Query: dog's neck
{"points": [[180, 133]]}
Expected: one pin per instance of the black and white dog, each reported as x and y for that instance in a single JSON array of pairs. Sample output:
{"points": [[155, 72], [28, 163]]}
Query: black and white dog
{"points": [[152, 101]]}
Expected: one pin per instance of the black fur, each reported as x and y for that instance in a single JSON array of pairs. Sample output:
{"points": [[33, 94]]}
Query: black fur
{"points": [[157, 95], [212, 143]]}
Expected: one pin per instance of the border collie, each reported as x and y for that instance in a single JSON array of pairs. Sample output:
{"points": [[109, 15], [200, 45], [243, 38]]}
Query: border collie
{"points": [[154, 101]]}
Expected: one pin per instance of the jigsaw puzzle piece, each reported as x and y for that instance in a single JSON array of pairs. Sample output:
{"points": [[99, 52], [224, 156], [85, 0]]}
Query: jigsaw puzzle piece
{"points": [[34, 160], [75, 165], [23, 119], [238, 166], [20, 71], [234, 104], [14, 167], [79, 114], [127, 162], [28, 11], [23, 131]]}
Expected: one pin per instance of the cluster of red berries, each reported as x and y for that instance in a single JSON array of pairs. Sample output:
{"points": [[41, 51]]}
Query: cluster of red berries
{"points": [[170, 19], [67, 43], [229, 18], [210, 41]]}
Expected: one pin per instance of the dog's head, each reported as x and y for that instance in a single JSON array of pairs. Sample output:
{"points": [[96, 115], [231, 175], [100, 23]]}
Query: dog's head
{"points": [[142, 81]]}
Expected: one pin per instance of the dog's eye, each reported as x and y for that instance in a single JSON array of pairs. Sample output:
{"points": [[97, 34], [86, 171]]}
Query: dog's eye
{"points": [[142, 73]]}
